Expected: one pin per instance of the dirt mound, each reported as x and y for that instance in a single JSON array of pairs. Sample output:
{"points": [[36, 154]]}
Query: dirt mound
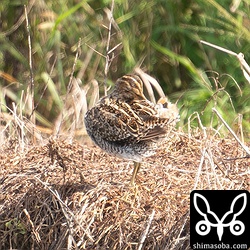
{"points": [[66, 195]]}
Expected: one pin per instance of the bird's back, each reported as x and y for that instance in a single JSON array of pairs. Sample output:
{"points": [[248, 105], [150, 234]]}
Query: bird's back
{"points": [[126, 124]]}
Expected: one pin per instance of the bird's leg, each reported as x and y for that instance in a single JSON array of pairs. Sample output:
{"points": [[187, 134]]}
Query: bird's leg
{"points": [[137, 166]]}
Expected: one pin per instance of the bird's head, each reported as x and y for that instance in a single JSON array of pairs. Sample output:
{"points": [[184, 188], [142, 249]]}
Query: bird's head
{"points": [[128, 87]]}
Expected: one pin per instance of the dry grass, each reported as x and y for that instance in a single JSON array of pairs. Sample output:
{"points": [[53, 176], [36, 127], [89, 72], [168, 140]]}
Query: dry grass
{"points": [[66, 195]]}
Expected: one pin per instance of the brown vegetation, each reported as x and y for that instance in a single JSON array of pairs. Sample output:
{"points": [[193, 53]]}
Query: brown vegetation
{"points": [[66, 195]]}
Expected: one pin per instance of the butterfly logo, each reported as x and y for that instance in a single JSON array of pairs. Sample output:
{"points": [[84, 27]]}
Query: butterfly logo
{"points": [[203, 227]]}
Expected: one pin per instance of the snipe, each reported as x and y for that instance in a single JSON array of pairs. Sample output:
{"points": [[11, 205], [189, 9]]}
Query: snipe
{"points": [[126, 124]]}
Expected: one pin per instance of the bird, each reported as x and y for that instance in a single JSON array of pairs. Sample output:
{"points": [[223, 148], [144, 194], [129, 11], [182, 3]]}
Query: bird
{"points": [[126, 124]]}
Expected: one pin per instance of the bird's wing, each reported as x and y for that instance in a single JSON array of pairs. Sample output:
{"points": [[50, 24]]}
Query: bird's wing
{"points": [[157, 120], [113, 121]]}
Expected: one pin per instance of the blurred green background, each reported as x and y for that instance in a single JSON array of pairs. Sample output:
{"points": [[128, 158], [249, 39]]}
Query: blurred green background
{"points": [[69, 38]]}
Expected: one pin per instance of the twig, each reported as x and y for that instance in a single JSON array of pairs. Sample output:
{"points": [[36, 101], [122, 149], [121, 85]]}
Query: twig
{"points": [[74, 66], [69, 220], [199, 169], [66, 208], [146, 230], [32, 116], [200, 123], [116, 46], [231, 131], [19, 22], [219, 48], [45, 87], [70, 82], [97, 52], [244, 66], [107, 63], [37, 236]]}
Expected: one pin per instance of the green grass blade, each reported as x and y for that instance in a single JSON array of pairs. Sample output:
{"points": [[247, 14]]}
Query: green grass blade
{"points": [[68, 13], [52, 89], [181, 59]]}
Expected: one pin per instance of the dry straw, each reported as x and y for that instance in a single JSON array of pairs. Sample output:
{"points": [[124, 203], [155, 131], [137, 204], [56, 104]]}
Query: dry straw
{"points": [[72, 196]]}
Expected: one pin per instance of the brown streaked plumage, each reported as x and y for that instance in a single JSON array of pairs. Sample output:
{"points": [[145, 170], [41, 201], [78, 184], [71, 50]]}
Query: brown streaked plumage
{"points": [[126, 124]]}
